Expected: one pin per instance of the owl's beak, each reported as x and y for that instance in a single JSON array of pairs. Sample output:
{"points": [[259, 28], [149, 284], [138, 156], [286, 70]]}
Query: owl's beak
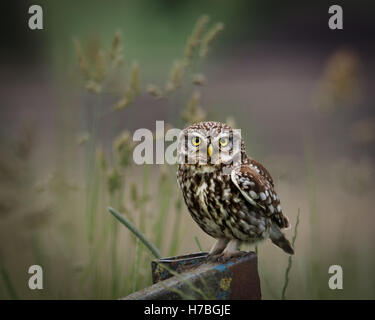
{"points": [[209, 150]]}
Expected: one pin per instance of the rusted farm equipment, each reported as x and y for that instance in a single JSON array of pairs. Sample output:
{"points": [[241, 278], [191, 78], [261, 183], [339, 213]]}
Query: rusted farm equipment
{"points": [[194, 277]]}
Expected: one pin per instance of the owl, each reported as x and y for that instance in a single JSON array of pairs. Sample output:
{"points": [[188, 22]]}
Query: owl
{"points": [[228, 194]]}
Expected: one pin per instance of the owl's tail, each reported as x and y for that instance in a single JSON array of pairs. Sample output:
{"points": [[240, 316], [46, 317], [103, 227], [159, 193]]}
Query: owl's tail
{"points": [[278, 238]]}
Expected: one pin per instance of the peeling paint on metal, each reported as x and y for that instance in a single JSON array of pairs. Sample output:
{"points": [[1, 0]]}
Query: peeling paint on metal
{"points": [[225, 283], [223, 267]]}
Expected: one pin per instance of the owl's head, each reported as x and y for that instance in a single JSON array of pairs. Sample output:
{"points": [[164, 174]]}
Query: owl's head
{"points": [[210, 145]]}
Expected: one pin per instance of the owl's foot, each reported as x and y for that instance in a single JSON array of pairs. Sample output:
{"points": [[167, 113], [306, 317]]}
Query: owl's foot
{"points": [[213, 257], [217, 249], [230, 251], [226, 257]]}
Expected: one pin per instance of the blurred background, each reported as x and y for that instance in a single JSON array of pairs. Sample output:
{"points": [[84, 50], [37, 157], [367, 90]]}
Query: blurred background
{"points": [[72, 94]]}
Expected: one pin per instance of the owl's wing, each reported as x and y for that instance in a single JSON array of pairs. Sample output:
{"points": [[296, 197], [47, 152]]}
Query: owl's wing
{"points": [[258, 190], [261, 170]]}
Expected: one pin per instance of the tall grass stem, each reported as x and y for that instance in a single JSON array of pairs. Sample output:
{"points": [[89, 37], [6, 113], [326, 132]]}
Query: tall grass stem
{"points": [[153, 250], [290, 261]]}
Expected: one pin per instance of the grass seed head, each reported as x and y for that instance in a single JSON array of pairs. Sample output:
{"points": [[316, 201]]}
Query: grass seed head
{"points": [[101, 67], [155, 91], [123, 147], [134, 81], [101, 158], [82, 61], [176, 74], [199, 79], [114, 181], [209, 38], [195, 37], [83, 138], [93, 87], [121, 104], [340, 81], [115, 52], [194, 112]]}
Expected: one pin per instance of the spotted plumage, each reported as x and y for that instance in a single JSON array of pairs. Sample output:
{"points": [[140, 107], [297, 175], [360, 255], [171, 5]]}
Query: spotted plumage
{"points": [[228, 194]]}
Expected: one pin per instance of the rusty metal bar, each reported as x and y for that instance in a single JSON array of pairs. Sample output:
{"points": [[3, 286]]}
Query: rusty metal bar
{"points": [[196, 278]]}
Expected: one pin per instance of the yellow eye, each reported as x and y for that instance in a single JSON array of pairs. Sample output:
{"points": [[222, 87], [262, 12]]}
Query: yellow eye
{"points": [[224, 141], [196, 141]]}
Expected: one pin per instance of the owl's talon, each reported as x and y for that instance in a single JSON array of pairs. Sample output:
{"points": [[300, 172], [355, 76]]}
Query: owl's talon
{"points": [[230, 251], [218, 247], [225, 257], [213, 257]]}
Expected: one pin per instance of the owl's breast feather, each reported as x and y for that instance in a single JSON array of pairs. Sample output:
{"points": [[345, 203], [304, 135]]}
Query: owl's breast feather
{"points": [[201, 194]]}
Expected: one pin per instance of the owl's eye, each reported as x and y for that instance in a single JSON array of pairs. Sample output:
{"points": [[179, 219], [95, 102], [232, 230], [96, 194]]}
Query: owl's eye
{"points": [[224, 141], [196, 141]]}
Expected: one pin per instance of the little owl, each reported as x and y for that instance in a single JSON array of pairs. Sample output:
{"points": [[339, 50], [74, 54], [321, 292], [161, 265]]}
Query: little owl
{"points": [[229, 195]]}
